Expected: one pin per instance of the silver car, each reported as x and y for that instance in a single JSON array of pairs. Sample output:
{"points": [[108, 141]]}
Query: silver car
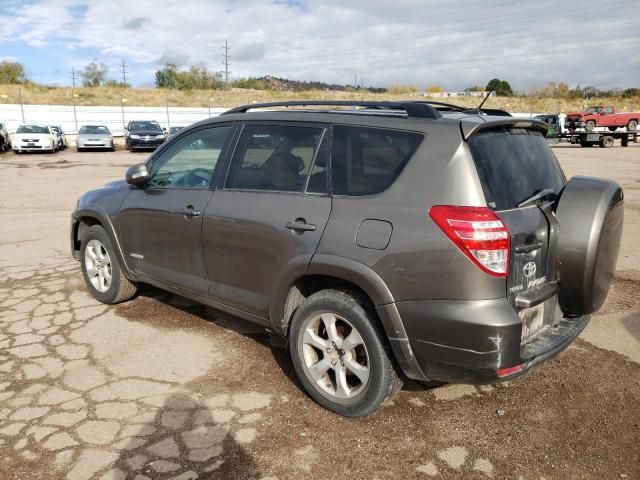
{"points": [[94, 136]]}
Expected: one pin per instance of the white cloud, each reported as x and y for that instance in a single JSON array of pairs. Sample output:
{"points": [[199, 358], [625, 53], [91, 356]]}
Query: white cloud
{"points": [[454, 44]]}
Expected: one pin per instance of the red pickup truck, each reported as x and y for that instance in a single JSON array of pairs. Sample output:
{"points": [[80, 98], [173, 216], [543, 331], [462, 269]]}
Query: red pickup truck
{"points": [[602, 116]]}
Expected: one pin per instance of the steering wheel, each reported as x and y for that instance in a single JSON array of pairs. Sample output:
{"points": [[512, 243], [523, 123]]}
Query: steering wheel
{"points": [[198, 177]]}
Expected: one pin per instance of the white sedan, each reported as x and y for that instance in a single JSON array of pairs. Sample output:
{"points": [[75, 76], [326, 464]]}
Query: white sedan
{"points": [[34, 138]]}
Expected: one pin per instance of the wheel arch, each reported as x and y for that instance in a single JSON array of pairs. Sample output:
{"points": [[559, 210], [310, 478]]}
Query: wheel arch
{"points": [[83, 219], [324, 271]]}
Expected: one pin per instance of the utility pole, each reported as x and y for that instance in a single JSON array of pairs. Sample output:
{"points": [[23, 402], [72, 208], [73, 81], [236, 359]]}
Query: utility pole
{"points": [[21, 105], [355, 80], [225, 61], [73, 97], [124, 74]]}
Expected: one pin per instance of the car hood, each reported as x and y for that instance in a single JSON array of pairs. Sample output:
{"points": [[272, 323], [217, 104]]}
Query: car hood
{"points": [[146, 132], [84, 136]]}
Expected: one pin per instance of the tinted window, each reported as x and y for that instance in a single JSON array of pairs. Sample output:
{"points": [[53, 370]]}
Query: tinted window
{"points": [[274, 157], [367, 161], [190, 162], [514, 164], [318, 176]]}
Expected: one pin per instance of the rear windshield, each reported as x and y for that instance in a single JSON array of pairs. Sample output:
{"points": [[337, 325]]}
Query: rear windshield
{"points": [[514, 164]]}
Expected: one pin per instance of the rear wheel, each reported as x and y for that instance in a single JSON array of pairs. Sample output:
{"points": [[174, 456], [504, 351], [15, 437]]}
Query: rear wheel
{"points": [[606, 141], [632, 126], [102, 272], [341, 355]]}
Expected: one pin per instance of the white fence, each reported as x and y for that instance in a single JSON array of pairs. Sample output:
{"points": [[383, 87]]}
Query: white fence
{"points": [[13, 115], [115, 118]]}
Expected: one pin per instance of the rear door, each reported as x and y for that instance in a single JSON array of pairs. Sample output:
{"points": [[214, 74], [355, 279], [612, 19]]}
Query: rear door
{"points": [[514, 164], [267, 220]]}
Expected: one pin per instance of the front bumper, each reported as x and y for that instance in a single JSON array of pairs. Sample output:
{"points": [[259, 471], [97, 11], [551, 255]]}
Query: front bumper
{"points": [[475, 341], [88, 145], [32, 148], [141, 143]]}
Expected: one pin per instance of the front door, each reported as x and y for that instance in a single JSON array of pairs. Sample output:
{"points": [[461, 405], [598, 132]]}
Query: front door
{"points": [[270, 215], [161, 224]]}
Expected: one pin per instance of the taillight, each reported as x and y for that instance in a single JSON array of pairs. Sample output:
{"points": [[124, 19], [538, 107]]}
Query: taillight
{"points": [[479, 233]]}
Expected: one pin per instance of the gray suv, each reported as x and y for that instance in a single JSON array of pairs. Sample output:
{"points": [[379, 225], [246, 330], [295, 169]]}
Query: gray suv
{"points": [[378, 240]]}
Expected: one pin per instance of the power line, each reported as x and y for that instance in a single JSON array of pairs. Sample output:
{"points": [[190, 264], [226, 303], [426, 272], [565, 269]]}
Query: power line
{"points": [[225, 61]]}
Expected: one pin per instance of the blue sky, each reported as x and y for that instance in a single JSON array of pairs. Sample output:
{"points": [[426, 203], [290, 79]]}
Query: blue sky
{"points": [[453, 44]]}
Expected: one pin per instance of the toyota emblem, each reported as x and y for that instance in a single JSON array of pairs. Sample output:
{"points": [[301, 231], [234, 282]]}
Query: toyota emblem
{"points": [[529, 269]]}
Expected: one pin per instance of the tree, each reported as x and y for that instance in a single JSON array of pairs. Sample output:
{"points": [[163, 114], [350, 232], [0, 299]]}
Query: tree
{"points": [[94, 74], [167, 77], [115, 83], [501, 87], [434, 89], [631, 92], [475, 88], [11, 73]]}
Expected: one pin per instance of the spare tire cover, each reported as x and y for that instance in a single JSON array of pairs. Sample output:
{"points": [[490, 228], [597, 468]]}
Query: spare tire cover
{"points": [[590, 213]]}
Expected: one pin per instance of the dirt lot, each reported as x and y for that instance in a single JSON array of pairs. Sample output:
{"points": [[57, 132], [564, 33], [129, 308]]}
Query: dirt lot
{"points": [[162, 388]]}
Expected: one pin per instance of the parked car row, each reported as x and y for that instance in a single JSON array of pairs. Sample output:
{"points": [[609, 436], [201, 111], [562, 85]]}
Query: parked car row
{"points": [[139, 134]]}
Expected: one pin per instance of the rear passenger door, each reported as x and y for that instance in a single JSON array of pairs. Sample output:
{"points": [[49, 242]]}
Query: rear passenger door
{"points": [[266, 221]]}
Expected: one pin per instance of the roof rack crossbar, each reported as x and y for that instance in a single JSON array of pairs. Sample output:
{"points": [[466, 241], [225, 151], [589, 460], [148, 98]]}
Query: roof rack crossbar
{"points": [[413, 109], [458, 108]]}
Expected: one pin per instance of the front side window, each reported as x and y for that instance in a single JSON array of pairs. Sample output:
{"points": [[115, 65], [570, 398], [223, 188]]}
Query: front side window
{"points": [[191, 161], [366, 161], [274, 157], [608, 110]]}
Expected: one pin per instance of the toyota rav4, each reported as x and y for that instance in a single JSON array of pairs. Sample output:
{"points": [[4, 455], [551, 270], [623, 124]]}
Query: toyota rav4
{"points": [[378, 240]]}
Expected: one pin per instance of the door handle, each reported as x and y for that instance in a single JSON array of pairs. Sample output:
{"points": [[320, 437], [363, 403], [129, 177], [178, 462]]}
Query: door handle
{"points": [[528, 247], [189, 212], [299, 225]]}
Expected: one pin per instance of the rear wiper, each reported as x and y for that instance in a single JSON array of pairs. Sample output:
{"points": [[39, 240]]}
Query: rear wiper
{"points": [[538, 195]]}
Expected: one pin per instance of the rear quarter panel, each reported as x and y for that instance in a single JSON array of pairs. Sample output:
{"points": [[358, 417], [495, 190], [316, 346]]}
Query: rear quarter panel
{"points": [[420, 262]]}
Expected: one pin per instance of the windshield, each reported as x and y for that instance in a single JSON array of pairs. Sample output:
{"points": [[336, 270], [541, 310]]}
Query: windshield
{"points": [[514, 164], [593, 109], [32, 129], [94, 130], [152, 126]]}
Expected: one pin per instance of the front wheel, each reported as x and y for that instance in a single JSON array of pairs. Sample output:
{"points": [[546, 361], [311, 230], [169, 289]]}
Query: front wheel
{"points": [[632, 126], [341, 355], [102, 272]]}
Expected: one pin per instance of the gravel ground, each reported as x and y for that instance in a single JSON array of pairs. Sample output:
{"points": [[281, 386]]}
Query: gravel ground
{"points": [[160, 387]]}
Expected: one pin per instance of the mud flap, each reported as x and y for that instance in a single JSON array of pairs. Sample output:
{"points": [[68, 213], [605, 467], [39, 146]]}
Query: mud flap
{"points": [[590, 214]]}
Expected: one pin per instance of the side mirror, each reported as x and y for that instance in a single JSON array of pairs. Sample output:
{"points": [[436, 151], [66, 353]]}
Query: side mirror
{"points": [[602, 112], [137, 175]]}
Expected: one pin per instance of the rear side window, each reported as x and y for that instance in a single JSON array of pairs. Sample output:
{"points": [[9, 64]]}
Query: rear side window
{"points": [[274, 157], [366, 161], [514, 164]]}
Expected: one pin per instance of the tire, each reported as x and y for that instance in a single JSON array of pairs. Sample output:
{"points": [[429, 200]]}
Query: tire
{"points": [[590, 213], [606, 142], [612, 129], [590, 125], [632, 126], [97, 248], [78, 149], [371, 356]]}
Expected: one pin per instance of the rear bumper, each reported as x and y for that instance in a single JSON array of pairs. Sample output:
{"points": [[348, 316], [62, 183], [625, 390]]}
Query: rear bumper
{"points": [[474, 341]]}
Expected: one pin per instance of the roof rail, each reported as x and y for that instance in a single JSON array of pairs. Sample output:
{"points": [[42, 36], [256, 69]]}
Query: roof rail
{"points": [[450, 107], [413, 109]]}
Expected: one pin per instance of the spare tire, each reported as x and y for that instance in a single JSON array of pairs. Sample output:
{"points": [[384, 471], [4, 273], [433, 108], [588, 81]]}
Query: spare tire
{"points": [[590, 213]]}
